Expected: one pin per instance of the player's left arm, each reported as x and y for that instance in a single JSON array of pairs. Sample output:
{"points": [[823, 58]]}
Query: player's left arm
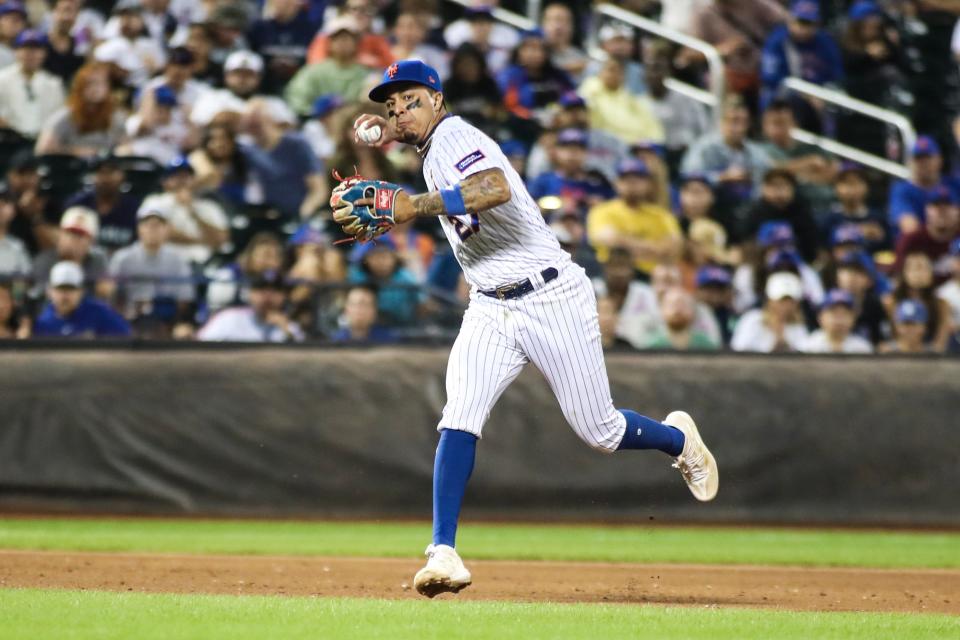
{"points": [[477, 192]]}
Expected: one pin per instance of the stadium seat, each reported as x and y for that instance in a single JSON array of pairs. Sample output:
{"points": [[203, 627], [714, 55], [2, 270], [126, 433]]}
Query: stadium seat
{"points": [[143, 174], [62, 173]]}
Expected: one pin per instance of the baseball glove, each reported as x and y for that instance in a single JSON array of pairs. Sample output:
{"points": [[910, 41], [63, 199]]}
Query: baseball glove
{"points": [[364, 222]]}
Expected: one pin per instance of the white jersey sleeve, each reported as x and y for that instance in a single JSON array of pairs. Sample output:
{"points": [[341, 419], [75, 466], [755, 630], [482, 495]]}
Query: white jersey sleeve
{"points": [[501, 245]]}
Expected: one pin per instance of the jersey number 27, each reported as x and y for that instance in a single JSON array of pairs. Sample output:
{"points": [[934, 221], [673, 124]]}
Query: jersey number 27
{"points": [[463, 230]]}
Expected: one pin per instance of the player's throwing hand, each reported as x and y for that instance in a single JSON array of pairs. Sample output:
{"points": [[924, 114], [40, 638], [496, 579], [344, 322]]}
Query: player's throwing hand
{"points": [[368, 121]]}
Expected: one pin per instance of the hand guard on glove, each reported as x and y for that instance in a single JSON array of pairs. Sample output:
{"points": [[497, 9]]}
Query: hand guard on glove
{"points": [[368, 220]]}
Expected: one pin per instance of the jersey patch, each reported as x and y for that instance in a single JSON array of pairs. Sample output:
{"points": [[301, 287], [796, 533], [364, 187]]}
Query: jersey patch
{"points": [[472, 157]]}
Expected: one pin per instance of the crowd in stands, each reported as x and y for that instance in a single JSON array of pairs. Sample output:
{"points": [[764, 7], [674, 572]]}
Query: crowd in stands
{"points": [[167, 167]]}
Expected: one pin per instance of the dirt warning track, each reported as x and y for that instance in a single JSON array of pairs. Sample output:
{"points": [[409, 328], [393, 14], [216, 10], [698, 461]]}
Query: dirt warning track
{"points": [[810, 589]]}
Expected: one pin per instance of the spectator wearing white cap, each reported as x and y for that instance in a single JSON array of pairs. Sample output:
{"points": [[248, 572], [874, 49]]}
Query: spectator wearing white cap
{"points": [[151, 272], [291, 176], [242, 75], [131, 49], [835, 335], [76, 243], [30, 95], [778, 325], [617, 41], [198, 226], [72, 314], [339, 72]]}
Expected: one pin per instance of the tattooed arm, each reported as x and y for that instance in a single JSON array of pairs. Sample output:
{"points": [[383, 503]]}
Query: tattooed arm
{"points": [[481, 191]]}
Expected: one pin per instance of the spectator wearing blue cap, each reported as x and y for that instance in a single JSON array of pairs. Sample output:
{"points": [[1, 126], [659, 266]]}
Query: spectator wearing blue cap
{"points": [[735, 164], [159, 129], [477, 27], [282, 39], [472, 90], [634, 222], [30, 94], [338, 72], [571, 179], [777, 326], [379, 264], [875, 70], [198, 226], [910, 319], [531, 82], [950, 290], [852, 207], [779, 201], [70, 313], [559, 29], [799, 49], [916, 281], [65, 51], [13, 20], [359, 319], [410, 31], [908, 197], [617, 111], [683, 119], [856, 274], [835, 335], [714, 290], [941, 226]]}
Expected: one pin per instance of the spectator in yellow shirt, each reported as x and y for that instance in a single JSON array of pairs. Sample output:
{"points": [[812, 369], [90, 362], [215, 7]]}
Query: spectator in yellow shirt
{"points": [[634, 222], [614, 109]]}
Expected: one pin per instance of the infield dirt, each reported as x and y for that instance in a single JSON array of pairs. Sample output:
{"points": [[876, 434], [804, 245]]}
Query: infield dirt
{"points": [[810, 589]]}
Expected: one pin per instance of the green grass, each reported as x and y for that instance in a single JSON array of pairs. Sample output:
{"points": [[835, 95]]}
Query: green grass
{"points": [[77, 615], [494, 541]]}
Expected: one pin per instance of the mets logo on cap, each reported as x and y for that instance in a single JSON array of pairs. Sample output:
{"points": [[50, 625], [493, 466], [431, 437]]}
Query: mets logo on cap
{"points": [[392, 70]]}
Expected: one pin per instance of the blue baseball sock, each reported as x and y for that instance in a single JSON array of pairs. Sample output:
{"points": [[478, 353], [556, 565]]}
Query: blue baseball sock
{"points": [[645, 433], [451, 470]]}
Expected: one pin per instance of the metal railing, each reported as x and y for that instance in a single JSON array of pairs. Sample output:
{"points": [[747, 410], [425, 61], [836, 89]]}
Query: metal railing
{"points": [[831, 96], [509, 17]]}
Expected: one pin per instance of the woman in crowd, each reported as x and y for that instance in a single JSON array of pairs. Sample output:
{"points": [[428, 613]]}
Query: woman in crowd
{"points": [[779, 324], [13, 324], [263, 255], [531, 82], [221, 168], [473, 93], [916, 282], [90, 122]]}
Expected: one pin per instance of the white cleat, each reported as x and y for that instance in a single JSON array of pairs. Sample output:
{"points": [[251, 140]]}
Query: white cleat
{"points": [[695, 462], [444, 572]]}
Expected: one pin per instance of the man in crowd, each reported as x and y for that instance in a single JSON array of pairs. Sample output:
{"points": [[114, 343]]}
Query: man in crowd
{"points": [[30, 95], [282, 40], [36, 215], [264, 320], [13, 20], [571, 179], [75, 243], [633, 222], [116, 209], [70, 313], [908, 198], [836, 320], [678, 310], [243, 73], [852, 191], [941, 225], [360, 318], [65, 53], [715, 291], [14, 258]]}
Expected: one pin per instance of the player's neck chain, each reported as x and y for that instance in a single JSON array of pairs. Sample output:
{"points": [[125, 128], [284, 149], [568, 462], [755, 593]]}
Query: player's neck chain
{"points": [[424, 146]]}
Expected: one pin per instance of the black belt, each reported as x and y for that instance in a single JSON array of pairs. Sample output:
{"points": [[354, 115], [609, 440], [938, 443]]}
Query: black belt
{"points": [[521, 288]]}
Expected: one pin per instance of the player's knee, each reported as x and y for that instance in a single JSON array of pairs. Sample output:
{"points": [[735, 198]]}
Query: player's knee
{"points": [[602, 436]]}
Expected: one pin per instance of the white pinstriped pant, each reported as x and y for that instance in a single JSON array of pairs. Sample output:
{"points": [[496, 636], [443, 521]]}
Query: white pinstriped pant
{"points": [[556, 328]]}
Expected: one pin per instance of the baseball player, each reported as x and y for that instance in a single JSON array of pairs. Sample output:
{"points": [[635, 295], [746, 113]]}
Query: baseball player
{"points": [[528, 302]]}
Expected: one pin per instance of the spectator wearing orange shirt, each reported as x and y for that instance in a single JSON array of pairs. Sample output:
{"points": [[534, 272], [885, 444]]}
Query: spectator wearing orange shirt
{"points": [[373, 50]]}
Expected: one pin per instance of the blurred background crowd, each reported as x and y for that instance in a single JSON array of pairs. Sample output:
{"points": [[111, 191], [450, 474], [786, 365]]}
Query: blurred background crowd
{"points": [[167, 165]]}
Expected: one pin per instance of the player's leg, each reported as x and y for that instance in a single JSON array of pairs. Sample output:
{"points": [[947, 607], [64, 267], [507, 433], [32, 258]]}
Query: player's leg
{"points": [[483, 362], [561, 336]]}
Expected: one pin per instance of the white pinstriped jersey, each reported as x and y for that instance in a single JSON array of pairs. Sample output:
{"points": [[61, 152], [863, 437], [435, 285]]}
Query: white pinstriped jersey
{"points": [[501, 245]]}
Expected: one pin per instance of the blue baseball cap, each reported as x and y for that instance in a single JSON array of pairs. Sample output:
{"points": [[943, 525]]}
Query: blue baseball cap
{"points": [[573, 136], [326, 104], [775, 233], [711, 275], [847, 234], [532, 34], [847, 167], [405, 72], [837, 298], [513, 148], [12, 7], [572, 99], [165, 96], [633, 166], [955, 247], [941, 194], [911, 311], [30, 38], [308, 234], [362, 249], [858, 260], [806, 10], [784, 259], [695, 176], [864, 9], [177, 165], [926, 146], [646, 145]]}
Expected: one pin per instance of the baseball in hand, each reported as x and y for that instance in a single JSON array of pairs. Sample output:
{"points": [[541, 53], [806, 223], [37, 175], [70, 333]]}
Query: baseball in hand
{"points": [[369, 134]]}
